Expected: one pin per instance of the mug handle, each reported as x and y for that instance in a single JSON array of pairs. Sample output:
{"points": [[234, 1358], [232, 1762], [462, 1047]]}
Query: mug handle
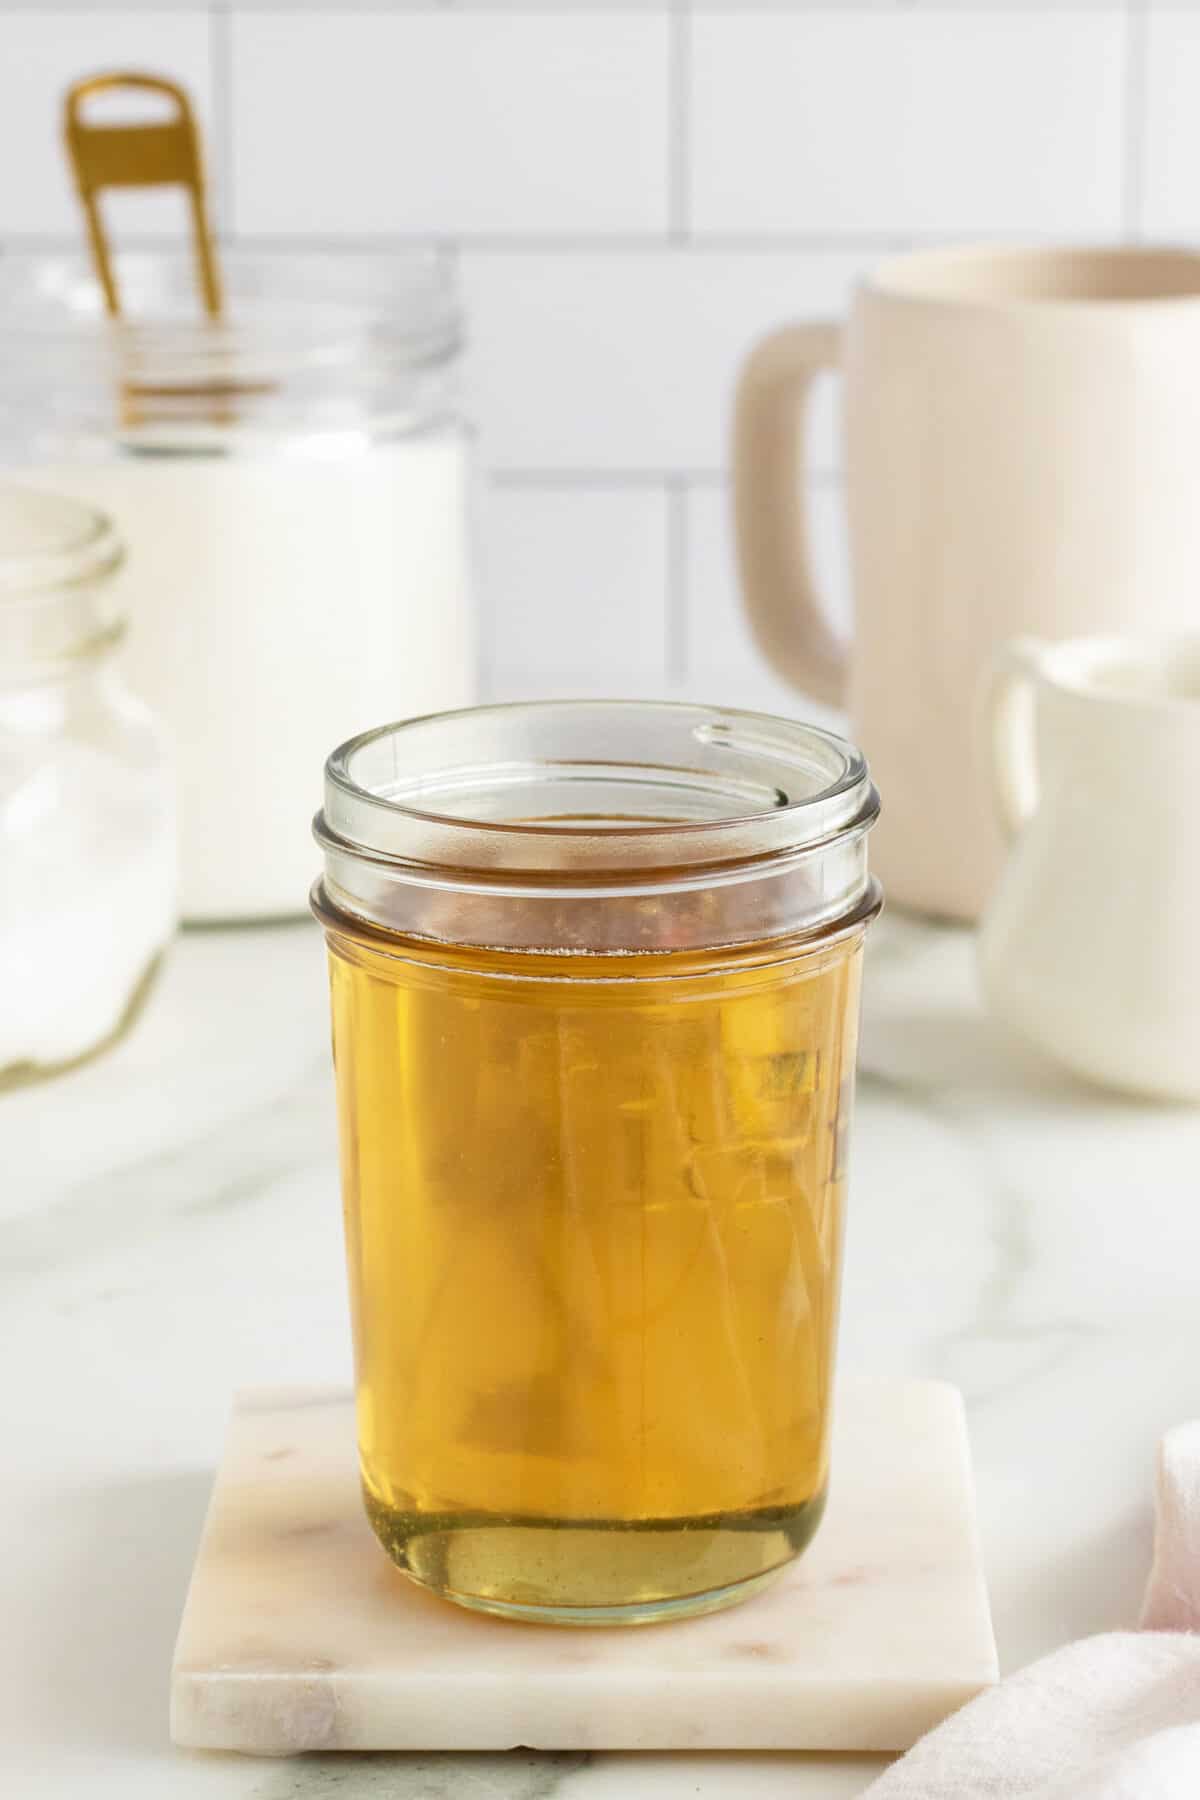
{"points": [[769, 513], [1009, 727]]}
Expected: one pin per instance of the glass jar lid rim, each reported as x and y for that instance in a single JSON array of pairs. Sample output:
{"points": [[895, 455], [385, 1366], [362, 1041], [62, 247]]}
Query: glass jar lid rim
{"points": [[466, 790], [287, 313], [48, 542]]}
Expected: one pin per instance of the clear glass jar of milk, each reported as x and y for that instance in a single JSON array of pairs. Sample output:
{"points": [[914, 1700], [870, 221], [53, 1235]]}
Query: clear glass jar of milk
{"points": [[291, 481], [87, 841]]}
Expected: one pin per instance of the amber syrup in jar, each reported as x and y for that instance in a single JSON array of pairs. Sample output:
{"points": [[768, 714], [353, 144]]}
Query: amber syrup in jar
{"points": [[594, 1188]]}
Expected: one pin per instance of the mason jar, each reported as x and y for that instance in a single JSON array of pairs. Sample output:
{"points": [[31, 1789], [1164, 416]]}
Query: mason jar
{"points": [[87, 843], [595, 972], [291, 484]]}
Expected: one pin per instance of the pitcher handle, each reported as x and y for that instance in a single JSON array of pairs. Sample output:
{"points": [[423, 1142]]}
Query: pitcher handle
{"points": [[785, 614], [1009, 726]]}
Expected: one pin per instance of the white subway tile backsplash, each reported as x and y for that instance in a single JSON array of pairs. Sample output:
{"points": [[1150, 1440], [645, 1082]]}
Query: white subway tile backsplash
{"points": [[1171, 160], [914, 120], [636, 190], [41, 53], [724, 664], [445, 122], [574, 588], [624, 363]]}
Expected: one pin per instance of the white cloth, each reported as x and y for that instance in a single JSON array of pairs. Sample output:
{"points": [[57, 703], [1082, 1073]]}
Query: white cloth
{"points": [[1173, 1596], [1111, 1718]]}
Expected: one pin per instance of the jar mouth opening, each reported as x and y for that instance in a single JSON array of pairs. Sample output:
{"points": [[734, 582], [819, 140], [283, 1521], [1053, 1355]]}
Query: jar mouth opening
{"points": [[287, 316], [313, 353], [49, 542], [603, 786]]}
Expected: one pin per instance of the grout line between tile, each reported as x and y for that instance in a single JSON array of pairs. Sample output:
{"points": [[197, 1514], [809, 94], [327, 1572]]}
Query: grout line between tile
{"points": [[608, 480], [543, 244], [675, 613], [482, 587], [220, 157], [500, 244], [601, 480], [679, 121], [738, 8], [1133, 160]]}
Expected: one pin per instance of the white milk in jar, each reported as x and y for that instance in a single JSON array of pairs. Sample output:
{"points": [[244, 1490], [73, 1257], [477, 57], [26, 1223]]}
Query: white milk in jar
{"points": [[291, 482]]}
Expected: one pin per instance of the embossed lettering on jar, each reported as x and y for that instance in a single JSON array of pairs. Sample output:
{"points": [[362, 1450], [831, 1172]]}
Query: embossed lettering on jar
{"points": [[595, 977]]}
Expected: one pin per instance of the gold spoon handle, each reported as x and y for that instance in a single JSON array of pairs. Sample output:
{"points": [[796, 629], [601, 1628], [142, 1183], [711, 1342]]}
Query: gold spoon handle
{"points": [[149, 155]]}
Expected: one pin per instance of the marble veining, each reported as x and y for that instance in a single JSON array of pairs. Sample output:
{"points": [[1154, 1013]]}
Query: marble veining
{"points": [[299, 1634], [1031, 1240]]}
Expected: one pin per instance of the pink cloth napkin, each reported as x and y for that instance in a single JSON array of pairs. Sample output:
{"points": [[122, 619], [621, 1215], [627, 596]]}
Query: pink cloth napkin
{"points": [[1115, 1717]]}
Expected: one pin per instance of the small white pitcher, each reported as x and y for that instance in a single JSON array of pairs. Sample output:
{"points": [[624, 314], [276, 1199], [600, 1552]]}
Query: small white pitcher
{"points": [[1091, 945]]}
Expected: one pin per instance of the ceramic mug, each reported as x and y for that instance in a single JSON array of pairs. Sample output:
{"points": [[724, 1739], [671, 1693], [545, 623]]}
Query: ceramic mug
{"points": [[1022, 448], [1091, 945]]}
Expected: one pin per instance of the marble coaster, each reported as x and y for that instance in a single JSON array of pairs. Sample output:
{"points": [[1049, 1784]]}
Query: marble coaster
{"points": [[298, 1633]]}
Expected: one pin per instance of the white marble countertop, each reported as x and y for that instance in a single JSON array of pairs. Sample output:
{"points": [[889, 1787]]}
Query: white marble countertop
{"points": [[170, 1229]]}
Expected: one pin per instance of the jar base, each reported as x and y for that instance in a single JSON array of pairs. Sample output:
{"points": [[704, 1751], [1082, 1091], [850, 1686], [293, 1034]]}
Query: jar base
{"points": [[595, 1572], [660, 1612]]}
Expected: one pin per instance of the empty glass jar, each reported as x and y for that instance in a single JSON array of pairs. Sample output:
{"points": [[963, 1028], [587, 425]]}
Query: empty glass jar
{"points": [[87, 845]]}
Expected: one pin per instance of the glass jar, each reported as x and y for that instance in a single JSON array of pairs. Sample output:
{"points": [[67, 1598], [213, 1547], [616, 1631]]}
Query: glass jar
{"points": [[87, 847], [595, 975], [291, 484]]}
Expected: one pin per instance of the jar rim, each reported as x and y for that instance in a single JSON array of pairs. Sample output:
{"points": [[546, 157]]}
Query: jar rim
{"points": [[475, 793], [49, 542], [287, 313], [310, 348]]}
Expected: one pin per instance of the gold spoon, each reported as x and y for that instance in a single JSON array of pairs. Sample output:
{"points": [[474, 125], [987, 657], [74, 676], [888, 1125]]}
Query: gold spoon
{"points": [[165, 154]]}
